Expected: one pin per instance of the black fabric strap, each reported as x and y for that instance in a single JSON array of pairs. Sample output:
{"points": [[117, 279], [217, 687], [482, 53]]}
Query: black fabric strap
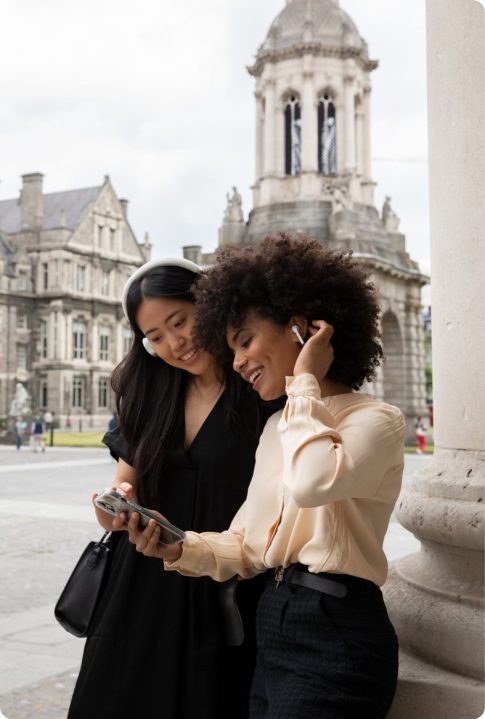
{"points": [[319, 584]]}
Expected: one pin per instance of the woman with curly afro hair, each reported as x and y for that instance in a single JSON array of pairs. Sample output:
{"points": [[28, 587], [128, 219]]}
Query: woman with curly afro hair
{"points": [[302, 321]]}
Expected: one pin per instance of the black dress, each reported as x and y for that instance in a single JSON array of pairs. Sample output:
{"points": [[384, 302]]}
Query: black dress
{"points": [[157, 646]]}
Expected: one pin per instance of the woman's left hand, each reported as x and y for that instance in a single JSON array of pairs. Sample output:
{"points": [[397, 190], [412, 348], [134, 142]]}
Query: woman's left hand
{"points": [[147, 541], [316, 355]]}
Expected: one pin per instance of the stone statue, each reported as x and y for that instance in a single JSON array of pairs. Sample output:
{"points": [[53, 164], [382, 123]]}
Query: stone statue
{"points": [[20, 406], [389, 218], [233, 211], [340, 199]]}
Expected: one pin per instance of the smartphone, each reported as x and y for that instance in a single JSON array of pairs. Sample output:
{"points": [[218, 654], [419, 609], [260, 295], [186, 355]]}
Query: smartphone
{"points": [[114, 503]]}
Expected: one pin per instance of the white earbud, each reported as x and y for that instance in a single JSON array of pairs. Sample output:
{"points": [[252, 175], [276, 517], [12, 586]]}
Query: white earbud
{"points": [[149, 347], [296, 331]]}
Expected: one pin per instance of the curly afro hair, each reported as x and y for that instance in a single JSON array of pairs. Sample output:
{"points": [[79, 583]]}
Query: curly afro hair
{"points": [[284, 276]]}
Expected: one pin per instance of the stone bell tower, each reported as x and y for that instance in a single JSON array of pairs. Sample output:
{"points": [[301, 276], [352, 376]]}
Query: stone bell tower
{"points": [[312, 77], [313, 176]]}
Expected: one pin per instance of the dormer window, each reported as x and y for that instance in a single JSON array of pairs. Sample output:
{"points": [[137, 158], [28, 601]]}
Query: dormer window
{"points": [[292, 136], [327, 136]]}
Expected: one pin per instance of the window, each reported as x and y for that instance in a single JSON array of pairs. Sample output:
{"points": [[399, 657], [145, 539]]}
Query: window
{"points": [[78, 392], [79, 339], [103, 392], [22, 323], [22, 280], [45, 275], [100, 235], [127, 339], [104, 342], [43, 394], [43, 339], [292, 137], [80, 278], [327, 136], [105, 277], [21, 356]]}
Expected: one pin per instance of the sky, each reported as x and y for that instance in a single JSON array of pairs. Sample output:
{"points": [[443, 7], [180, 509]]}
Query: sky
{"points": [[155, 94]]}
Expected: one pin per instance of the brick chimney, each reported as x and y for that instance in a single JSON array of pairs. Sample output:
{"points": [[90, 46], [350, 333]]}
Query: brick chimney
{"points": [[31, 201], [124, 208]]}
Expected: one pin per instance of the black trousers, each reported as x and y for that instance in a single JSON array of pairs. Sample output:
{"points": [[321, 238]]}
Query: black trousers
{"points": [[321, 657]]}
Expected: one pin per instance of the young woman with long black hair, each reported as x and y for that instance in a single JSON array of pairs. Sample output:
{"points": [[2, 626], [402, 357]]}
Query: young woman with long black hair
{"points": [[328, 471], [188, 432]]}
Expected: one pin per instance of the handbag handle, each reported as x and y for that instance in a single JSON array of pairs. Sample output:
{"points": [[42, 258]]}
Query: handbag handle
{"points": [[98, 549]]}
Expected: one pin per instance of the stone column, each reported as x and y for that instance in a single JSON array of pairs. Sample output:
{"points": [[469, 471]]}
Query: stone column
{"points": [[259, 136], [366, 169], [349, 123], [415, 386], [309, 120], [269, 128], [435, 597]]}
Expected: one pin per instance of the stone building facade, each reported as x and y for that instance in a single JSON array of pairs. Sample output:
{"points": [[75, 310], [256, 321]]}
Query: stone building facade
{"points": [[65, 257], [313, 176]]}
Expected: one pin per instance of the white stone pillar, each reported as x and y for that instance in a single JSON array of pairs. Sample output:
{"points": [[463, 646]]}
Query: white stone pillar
{"points": [[309, 120], [61, 339], [366, 170], [349, 123], [269, 128], [68, 336], [51, 344], [359, 134], [93, 330], [259, 136], [435, 597]]}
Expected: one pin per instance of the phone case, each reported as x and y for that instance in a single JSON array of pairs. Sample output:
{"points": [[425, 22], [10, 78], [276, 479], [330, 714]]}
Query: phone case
{"points": [[115, 503]]}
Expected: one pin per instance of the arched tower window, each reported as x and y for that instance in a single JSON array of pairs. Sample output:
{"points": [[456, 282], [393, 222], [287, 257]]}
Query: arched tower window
{"points": [[292, 136], [327, 136]]}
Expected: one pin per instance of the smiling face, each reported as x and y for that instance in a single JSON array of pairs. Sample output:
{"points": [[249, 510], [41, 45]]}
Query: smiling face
{"points": [[168, 324], [264, 354]]}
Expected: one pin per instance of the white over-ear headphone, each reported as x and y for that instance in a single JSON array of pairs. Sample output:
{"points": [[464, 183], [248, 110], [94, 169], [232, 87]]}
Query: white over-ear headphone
{"points": [[296, 331], [149, 347], [138, 273]]}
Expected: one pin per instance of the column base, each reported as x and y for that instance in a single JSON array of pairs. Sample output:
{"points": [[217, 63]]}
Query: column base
{"points": [[428, 692]]}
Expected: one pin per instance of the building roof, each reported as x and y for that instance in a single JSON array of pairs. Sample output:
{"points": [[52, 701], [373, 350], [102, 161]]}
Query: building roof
{"points": [[322, 20], [61, 209], [318, 25]]}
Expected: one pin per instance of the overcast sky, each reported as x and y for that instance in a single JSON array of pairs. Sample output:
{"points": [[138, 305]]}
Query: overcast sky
{"points": [[155, 93]]}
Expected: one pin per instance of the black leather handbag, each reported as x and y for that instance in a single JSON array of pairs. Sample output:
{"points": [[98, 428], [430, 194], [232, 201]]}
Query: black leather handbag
{"points": [[76, 605]]}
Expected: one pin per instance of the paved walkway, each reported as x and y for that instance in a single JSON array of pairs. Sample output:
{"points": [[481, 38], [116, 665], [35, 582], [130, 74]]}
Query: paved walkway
{"points": [[45, 521]]}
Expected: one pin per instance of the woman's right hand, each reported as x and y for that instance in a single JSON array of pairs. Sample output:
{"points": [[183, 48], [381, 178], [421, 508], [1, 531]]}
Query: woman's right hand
{"points": [[107, 521], [125, 480]]}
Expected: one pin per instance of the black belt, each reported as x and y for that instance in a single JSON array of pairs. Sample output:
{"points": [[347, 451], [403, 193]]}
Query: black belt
{"points": [[300, 575]]}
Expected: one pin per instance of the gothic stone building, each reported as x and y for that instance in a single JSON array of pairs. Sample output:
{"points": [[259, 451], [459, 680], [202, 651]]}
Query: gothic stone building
{"points": [[313, 176], [65, 257]]}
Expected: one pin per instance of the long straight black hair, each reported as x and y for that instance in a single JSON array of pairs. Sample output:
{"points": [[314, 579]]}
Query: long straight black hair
{"points": [[150, 393]]}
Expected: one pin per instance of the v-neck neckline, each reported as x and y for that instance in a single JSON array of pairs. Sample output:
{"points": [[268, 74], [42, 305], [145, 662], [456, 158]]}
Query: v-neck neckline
{"points": [[189, 447]]}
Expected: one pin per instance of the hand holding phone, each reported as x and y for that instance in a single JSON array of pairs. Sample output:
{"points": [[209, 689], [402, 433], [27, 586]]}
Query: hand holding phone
{"points": [[115, 503]]}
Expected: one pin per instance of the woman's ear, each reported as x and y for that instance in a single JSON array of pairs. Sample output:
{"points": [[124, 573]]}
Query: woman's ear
{"points": [[298, 327]]}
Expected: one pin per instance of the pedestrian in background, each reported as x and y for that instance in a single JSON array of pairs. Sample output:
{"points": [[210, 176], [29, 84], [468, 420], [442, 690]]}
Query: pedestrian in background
{"points": [[114, 422], [37, 434], [420, 429], [19, 432]]}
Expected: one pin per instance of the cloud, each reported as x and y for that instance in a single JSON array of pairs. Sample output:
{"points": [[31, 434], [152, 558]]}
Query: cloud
{"points": [[156, 94]]}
